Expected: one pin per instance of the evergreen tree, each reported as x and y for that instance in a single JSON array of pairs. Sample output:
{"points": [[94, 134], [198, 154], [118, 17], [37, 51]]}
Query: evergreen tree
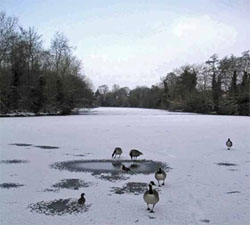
{"points": [[244, 95]]}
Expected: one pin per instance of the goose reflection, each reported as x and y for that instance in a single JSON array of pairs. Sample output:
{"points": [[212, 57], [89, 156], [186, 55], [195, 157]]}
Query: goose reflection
{"points": [[134, 166], [117, 164]]}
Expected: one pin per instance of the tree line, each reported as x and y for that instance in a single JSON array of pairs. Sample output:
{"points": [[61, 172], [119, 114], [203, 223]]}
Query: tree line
{"points": [[50, 80], [37, 79], [218, 86]]}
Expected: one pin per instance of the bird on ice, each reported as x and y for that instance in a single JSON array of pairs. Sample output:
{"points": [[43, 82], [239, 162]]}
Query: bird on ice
{"points": [[81, 200], [151, 196], [117, 151], [126, 169], [160, 175], [134, 153], [229, 144]]}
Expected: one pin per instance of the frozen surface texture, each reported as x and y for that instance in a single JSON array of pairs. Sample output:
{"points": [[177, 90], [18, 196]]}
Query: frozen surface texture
{"points": [[207, 184]]}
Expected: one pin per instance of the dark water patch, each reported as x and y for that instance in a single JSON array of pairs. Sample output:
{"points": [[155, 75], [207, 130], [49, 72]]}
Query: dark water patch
{"points": [[151, 217], [233, 192], [59, 207], [226, 164], [51, 190], [205, 221], [110, 166], [10, 185], [112, 177], [73, 184], [80, 155], [232, 169], [135, 188], [13, 175], [46, 147], [21, 144], [14, 161]]}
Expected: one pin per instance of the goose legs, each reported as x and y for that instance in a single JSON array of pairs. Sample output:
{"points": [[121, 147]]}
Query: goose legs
{"points": [[161, 184], [152, 210]]}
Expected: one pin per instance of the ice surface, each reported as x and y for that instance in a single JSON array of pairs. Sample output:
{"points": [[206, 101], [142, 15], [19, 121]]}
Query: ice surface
{"points": [[207, 185]]}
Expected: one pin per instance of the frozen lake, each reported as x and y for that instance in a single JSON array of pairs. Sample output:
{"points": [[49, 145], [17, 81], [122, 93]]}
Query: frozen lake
{"points": [[207, 183]]}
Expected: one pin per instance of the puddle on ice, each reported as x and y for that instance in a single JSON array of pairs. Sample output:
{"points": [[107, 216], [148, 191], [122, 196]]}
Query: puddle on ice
{"points": [[46, 147], [37, 146], [233, 192], [205, 221], [79, 155], [135, 188], [73, 184], [226, 164], [10, 185], [110, 166], [13, 161], [58, 207], [112, 177], [21, 144]]}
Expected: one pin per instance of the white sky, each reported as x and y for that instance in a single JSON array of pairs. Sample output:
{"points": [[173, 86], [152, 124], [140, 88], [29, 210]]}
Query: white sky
{"points": [[136, 42]]}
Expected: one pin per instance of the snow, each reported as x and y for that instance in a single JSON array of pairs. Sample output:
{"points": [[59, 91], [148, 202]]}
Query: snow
{"points": [[197, 190]]}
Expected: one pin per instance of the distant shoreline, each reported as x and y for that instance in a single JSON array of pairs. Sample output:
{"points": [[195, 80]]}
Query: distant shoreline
{"points": [[78, 112]]}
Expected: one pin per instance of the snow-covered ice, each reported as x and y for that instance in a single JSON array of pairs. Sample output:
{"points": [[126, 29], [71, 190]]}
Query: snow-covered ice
{"points": [[207, 184]]}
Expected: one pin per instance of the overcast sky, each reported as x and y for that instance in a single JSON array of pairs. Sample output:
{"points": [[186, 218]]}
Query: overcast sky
{"points": [[135, 42]]}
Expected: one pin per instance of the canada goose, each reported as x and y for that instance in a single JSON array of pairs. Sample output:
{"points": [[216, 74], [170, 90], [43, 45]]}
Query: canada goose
{"points": [[160, 175], [82, 200], [229, 144], [126, 169], [134, 153], [117, 151], [151, 197]]}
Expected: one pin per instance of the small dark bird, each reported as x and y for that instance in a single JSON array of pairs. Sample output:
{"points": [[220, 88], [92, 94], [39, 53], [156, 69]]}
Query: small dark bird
{"points": [[134, 153], [160, 175], [117, 151], [81, 200], [151, 197], [229, 144], [126, 169]]}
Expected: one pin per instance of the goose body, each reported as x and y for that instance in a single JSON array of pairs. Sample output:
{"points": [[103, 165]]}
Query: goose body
{"points": [[151, 197], [81, 200], [160, 175], [117, 151], [134, 153], [229, 143]]}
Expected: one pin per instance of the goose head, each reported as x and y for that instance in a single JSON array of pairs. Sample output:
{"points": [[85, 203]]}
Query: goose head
{"points": [[82, 195], [152, 183]]}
